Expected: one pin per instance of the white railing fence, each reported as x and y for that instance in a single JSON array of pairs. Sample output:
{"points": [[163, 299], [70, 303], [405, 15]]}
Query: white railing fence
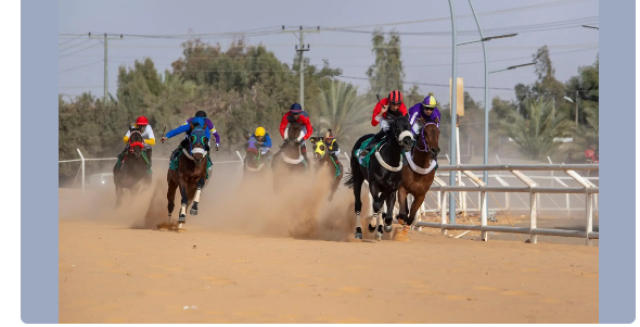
{"points": [[83, 160]]}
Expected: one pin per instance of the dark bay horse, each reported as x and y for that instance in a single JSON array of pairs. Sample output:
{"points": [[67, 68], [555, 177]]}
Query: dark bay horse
{"points": [[383, 174], [133, 166], [288, 160], [324, 158], [190, 177], [418, 175]]}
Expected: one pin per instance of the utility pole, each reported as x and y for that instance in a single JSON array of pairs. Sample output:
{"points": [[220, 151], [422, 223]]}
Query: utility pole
{"points": [[576, 108], [104, 40], [300, 50]]}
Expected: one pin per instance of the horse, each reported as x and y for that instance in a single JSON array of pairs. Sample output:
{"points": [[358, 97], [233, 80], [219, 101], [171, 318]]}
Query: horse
{"points": [[254, 161], [383, 174], [190, 176], [133, 166], [418, 175], [324, 158], [289, 156]]}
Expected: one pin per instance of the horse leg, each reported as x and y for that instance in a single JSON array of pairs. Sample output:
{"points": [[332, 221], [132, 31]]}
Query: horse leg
{"points": [[183, 202], [357, 190], [388, 220], [171, 195], [402, 201], [196, 198], [118, 196], [377, 210], [415, 207]]}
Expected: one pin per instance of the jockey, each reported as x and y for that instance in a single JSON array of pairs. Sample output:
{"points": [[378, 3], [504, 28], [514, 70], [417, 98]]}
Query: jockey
{"points": [[147, 135], [296, 114], [210, 125], [424, 112], [187, 128], [332, 145], [264, 141], [380, 112]]}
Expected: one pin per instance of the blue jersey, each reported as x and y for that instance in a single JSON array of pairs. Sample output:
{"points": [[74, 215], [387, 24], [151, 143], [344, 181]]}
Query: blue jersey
{"points": [[186, 128]]}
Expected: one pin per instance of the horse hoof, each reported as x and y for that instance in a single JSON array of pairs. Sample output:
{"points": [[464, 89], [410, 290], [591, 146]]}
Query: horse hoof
{"points": [[388, 228], [358, 233], [182, 220], [379, 233], [372, 229], [193, 212]]}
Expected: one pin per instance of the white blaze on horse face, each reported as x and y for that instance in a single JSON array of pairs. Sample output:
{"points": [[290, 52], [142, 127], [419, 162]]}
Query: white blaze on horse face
{"points": [[199, 150], [403, 135]]}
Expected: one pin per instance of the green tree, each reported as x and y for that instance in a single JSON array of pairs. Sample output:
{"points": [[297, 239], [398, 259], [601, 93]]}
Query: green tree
{"points": [[387, 73], [534, 133], [344, 112]]}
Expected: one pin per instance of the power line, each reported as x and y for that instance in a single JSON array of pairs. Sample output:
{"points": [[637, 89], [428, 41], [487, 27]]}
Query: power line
{"points": [[91, 46], [433, 84], [446, 18], [77, 67], [69, 40], [75, 45], [494, 31]]}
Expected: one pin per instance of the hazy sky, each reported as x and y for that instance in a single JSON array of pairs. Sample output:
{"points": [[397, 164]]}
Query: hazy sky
{"points": [[426, 58]]}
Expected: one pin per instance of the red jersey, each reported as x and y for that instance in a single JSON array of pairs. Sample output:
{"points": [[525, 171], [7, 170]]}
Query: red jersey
{"points": [[303, 119], [378, 108]]}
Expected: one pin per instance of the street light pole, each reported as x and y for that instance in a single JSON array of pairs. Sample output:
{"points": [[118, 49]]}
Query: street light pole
{"points": [[484, 212], [453, 109]]}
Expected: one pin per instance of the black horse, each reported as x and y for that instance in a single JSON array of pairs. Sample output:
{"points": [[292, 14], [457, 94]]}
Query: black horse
{"points": [[384, 173]]}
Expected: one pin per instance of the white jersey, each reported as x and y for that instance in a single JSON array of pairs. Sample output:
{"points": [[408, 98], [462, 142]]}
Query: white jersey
{"points": [[146, 135]]}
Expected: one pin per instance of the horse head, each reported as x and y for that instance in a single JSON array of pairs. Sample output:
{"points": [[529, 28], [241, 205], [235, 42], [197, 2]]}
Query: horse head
{"points": [[291, 146], [197, 142], [428, 141], [136, 143], [400, 130]]}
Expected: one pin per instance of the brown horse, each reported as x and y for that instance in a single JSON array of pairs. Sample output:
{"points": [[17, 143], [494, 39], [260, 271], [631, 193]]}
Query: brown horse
{"points": [[289, 160], [324, 158], [418, 175], [190, 177], [132, 168]]}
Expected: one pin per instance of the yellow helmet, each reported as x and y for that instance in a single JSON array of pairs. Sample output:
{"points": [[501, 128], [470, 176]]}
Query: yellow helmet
{"points": [[260, 132]]}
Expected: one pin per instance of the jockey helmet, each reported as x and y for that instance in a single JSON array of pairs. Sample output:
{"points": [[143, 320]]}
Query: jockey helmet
{"points": [[395, 97], [429, 102], [142, 121], [295, 108], [260, 132], [201, 114]]}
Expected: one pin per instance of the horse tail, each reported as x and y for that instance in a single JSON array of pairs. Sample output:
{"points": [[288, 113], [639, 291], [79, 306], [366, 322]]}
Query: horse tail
{"points": [[349, 181]]}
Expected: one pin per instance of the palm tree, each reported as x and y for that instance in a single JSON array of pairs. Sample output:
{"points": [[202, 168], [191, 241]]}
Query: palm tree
{"points": [[536, 136], [344, 112]]}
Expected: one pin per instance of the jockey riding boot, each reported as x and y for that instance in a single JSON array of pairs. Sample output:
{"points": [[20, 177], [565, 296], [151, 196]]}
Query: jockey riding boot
{"points": [[175, 153], [208, 149], [374, 140], [303, 149], [148, 151]]}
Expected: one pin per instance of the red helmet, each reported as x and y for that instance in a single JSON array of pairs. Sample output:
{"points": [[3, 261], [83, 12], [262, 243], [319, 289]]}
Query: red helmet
{"points": [[142, 121], [395, 97]]}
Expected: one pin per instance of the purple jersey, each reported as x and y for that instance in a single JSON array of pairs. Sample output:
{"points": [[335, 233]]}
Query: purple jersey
{"points": [[416, 111]]}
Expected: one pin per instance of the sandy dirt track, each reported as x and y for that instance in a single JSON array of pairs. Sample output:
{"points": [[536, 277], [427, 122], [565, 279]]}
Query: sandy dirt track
{"points": [[113, 269]]}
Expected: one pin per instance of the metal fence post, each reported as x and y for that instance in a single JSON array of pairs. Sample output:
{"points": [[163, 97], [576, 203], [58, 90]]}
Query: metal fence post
{"points": [[82, 160], [589, 222]]}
